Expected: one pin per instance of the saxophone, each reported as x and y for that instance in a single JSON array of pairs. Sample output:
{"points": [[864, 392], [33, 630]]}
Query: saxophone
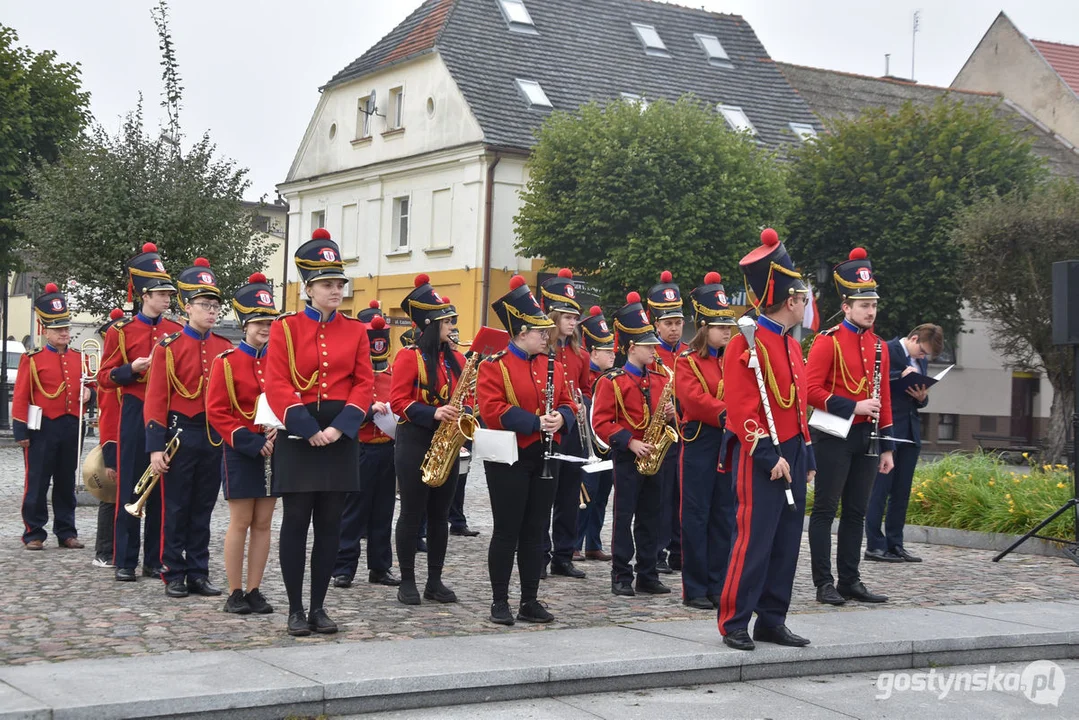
{"points": [[450, 437], [658, 434]]}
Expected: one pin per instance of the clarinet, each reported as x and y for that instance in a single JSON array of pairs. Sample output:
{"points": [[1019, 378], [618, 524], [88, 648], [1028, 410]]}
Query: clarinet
{"points": [[874, 438], [549, 406]]}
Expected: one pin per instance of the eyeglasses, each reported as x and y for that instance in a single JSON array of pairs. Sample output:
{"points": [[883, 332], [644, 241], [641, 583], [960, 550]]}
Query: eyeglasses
{"points": [[208, 307]]}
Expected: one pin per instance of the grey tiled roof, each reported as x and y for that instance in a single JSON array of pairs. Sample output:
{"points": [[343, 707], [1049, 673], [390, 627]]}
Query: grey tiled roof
{"points": [[587, 50], [831, 94]]}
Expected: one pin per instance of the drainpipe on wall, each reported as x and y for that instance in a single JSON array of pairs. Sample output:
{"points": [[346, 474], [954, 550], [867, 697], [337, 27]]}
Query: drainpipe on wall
{"points": [[284, 269], [488, 221]]}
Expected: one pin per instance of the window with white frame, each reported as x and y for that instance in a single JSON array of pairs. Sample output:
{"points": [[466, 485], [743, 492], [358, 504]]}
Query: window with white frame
{"points": [[318, 220], [947, 427], [653, 43], [635, 98], [401, 208], [517, 16], [533, 93], [804, 131], [397, 108], [364, 111], [713, 49], [736, 118]]}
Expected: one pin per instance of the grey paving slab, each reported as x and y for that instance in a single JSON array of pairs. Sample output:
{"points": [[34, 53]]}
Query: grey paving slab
{"points": [[1059, 616], [16, 705], [139, 687], [536, 709]]}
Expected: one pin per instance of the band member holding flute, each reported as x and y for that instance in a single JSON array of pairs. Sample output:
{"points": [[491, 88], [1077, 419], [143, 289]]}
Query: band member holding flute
{"points": [[707, 496], [599, 344], [768, 447], [108, 429], [319, 383], [522, 389], [237, 379]]}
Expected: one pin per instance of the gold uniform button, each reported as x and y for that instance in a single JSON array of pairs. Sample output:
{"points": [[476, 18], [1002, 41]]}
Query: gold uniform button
{"points": [[323, 384], [325, 364], [325, 353]]}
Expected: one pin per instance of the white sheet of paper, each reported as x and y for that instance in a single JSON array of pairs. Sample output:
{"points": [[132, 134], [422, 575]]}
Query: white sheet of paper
{"points": [[940, 376], [495, 446], [387, 423], [826, 422], [598, 467], [33, 417], [264, 416]]}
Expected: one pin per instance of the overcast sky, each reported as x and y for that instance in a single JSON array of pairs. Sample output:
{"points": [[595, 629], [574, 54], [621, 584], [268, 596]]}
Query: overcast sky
{"points": [[252, 68]]}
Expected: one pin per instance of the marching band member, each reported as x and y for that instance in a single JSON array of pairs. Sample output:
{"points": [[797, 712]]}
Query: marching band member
{"points": [[369, 512], [599, 344], [237, 378], [50, 378], [522, 389], [319, 383], [841, 368], [707, 497], [176, 399], [424, 379], [558, 301], [623, 404], [458, 521], [108, 429], [129, 345], [767, 532], [665, 309]]}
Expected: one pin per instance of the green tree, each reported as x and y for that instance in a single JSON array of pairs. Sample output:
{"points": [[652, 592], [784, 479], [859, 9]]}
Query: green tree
{"points": [[621, 193], [96, 207], [891, 184], [1009, 245], [42, 112]]}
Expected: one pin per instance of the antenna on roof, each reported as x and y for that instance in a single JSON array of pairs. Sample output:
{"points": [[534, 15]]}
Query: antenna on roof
{"points": [[887, 63], [913, 40]]}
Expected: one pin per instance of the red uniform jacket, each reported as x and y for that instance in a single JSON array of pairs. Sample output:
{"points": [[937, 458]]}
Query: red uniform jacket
{"points": [[311, 359], [128, 340], [409, 396], [594, 374], [698, 385], [575, 365], [237, 378], [49, 379], [369, 431], [840, 372], [781, 362], [108, 422], [179, 374], [512, 394], [668, 354], [619, 413]]}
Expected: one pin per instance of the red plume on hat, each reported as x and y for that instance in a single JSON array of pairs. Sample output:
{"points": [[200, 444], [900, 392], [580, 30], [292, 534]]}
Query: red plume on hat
{"points": [[378, 323], [374, 305], [517, 281], [633, 297], [713, 278], [51, 288], [201, 262], [256, 278], [116, 314], [595, 310], [565, 273], [422, 279], [666, 276], [321, 234]]}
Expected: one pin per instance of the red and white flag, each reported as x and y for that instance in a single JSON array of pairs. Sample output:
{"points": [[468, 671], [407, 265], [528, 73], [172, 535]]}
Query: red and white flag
{"points": [[811, 321]]}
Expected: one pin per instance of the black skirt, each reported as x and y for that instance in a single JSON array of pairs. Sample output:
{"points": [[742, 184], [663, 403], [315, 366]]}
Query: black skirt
{"points": [[299, 467]]}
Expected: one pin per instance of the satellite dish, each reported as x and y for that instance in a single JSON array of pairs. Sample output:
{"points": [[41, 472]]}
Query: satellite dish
{"points": [[371, 104]]}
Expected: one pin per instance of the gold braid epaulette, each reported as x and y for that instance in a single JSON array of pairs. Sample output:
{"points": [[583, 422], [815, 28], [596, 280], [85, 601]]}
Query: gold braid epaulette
{"points": [[646, 415], [174, 382], [37, 381], [230, 386], [300, 383], [840, 364], [511, 396], [784, 402]]}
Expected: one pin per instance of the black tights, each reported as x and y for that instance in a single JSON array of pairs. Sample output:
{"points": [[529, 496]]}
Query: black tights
{"points": [[323, 509], [418, 499]]}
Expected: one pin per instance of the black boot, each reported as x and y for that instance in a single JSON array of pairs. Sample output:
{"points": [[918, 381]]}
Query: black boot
{"points": [[406, 591]]}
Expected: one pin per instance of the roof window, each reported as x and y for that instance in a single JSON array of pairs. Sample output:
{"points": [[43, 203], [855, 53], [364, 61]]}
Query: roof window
{"points": [[517, 16], [653, 43], [713, 48], [736, 118], [533, 92], [804, 131]]}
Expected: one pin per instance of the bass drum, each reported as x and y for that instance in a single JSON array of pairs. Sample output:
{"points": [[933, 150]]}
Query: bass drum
{"points": [[95, 478]]}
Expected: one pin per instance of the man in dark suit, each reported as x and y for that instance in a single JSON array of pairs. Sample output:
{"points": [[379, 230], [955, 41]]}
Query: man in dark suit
{"points": [[891, 492]]}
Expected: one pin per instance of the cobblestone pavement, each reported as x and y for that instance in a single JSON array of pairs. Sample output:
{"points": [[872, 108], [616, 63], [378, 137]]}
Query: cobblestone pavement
{"points": [[57, 606]]}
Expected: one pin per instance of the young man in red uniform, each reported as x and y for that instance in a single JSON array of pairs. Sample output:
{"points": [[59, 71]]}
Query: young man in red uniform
{"points": [[842, 364], [623, 405], [108, 430], [50, 378], [665, 309], [368, 513], [176, 400], [599, 344], [128, 347], [768, 531]]}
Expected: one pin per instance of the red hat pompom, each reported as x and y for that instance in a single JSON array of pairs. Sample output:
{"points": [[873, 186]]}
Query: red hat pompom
{"points": [[445, 300], [149, 247], [713, 278], [320, 234], [858, 254], [373, 305], [202, 262], [378, 323], [422, 279], [565, 273], [633, 297], [517, 281], [769, 237], [666, 276], [595, 310], [256, 278], [116, 314], [51, 288]]}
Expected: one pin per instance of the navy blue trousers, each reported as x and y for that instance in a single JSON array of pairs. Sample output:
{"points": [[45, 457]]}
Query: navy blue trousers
{"points": [[590, 520], [51, 457], [888, 501], [636, 520], [369, 513], [190, 492], [707, 513], [561, 541], [670, 527], [766, 540], [133, 463]]}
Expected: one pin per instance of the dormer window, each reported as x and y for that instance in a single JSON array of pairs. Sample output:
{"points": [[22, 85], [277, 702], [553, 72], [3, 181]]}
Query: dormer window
{"points": [[804, 131], [636, 99], [653, 43], [533, 92], [713, 49], [736, 118], [517, 16]]}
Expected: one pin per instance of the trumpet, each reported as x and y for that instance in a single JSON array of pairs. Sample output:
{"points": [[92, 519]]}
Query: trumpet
{"points": [[148, 481], [90, 349]]}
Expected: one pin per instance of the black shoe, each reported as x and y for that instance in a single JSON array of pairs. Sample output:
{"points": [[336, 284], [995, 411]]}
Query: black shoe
{"points": [[297, 624], [663, 568], [881, 556], [739, 640], [543, 573], [500, 613], [439, 593], [779, 635], [466, 531], [421, 545], [176, 589], [903, 555], [124, 575], [826, 594], [407, 593], [257, 603], [652, 587], [566, 570], [858, 591], [151, 572], [700, 603], [320, 622], [674, 562], [714, 599], [622, 588], [202, 586], [342, 581], [533, 611], [237, 603], [383, 577]]}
